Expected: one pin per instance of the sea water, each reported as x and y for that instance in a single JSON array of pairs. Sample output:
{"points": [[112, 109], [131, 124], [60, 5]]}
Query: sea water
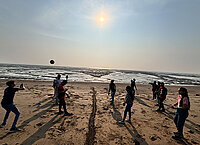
{"points": [[76, 74]]}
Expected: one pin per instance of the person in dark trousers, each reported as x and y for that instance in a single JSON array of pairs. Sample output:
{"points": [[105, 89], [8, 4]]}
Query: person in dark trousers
{"points": [[133, 85], [183, 105], [154, 87], [112, 89], [129, 103], [162, 97], [61, 97], [157, 93], [8, 104]]}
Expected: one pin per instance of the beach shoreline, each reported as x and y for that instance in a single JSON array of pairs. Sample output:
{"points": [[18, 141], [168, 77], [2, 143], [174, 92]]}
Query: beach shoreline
{"points": [[41, 124]]}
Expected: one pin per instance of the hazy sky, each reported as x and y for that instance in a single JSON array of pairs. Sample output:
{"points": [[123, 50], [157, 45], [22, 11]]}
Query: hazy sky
{"points": [[155, 35]]}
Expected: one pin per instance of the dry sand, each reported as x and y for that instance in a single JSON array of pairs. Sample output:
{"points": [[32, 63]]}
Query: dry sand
{"points": [[94, 120]]}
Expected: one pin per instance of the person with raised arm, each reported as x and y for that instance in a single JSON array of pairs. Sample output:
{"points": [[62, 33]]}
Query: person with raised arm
{"points": [[8, 104]]}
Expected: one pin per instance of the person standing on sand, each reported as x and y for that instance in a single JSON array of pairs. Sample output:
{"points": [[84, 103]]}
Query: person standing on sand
{"points": [[61, 97], [154, 87], [56, 84], [162, 97], [157, 93], [133, 86], [8, 105], [183, 105], [129, 103], [112, 89]]}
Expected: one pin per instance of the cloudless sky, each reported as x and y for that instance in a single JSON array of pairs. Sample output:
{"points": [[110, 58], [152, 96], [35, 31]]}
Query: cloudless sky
{"points": [[149, 35]]}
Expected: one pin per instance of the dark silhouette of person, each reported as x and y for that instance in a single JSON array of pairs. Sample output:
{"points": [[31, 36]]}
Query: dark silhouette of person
{"points": [[8, 104], [162, 97], [133, 85], [112, 89]]}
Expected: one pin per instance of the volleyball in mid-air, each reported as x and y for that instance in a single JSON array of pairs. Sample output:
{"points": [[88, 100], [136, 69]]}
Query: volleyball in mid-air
{"points": [[52, 61]]}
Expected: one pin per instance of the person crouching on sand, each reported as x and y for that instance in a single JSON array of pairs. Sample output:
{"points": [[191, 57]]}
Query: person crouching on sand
{"points": [[129, 103], [112, 88], [8, 105], [61, 97], [182, 112]]}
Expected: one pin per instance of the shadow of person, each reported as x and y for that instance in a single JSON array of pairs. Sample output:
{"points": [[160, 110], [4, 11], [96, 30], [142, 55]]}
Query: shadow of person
{"points": [[40, 133], [116, 114], [136, 137]]}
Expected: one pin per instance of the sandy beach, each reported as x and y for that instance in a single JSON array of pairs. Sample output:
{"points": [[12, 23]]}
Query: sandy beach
{"points": [[95, 121]]}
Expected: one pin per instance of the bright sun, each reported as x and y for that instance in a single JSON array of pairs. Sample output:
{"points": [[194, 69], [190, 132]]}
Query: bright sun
{"points": [[101, 19]]}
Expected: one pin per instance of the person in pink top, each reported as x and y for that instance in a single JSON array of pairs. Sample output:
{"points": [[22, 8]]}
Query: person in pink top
{"points": [[183, 105]]}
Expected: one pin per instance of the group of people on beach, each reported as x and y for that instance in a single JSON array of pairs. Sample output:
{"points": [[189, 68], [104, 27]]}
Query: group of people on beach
{"points": [[159, 92]]}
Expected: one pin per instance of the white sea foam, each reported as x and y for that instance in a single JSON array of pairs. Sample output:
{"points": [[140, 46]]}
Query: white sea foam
{"points": [[38, 72]]}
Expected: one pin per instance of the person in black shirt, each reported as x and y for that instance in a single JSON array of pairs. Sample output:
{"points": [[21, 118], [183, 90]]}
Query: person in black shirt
{"points": [[8, 105], [112, 89]]}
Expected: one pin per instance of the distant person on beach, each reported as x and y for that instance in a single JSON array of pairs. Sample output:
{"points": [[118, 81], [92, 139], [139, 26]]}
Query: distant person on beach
{"points": [[8, 104], [56, 84], [157, 93], [154, 87], [133, 85], [112, 89], [162, 97], [61, 97], [129, 103], [183, 105]]}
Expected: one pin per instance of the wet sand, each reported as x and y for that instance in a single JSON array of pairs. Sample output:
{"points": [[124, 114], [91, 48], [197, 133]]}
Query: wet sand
{"points": [[95, 121]]}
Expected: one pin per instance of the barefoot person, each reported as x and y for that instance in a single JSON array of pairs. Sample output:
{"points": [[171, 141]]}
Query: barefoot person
{"points": [[8, 104], [61, 97], [183, 105], [129, 103], [112, 89]]}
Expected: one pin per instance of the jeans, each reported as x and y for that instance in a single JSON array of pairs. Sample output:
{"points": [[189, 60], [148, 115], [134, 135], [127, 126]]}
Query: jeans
{"points": [[161, 105], [62, 103], [8, 109], [127, 109], [179, 119], [112, 95]]}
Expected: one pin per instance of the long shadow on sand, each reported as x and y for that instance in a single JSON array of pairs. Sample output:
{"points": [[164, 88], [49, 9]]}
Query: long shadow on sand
{"points": [[40, 133], [168, 113], [36, 116], [42, 101], [43, 106], [137, 138], [171, 115], [187, 120], [137, 98]]}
